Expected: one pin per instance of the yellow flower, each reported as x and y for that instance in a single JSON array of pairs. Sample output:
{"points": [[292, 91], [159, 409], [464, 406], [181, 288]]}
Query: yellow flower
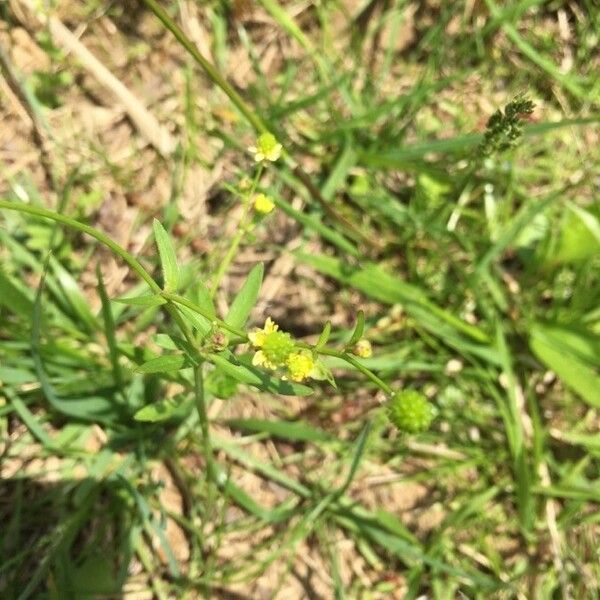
{"points": [[301, 365], [274, 346], [263, 204], [363, 348], [267, 148]]}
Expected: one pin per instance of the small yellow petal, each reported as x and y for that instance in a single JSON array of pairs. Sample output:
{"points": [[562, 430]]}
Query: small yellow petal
{"points": [[257, 338], [259, 359], [270, 326]]}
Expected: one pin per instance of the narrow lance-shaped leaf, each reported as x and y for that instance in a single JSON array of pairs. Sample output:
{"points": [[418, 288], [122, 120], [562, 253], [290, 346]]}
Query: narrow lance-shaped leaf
{"points": [[246, 299], [324, 337], [169, 362], [250, 375], [577, 373], [145, 300], [158, 411], [358, 329], [168, 258], [204, 299]]}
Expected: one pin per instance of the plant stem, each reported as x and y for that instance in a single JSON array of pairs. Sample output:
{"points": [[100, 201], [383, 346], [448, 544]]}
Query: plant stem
{"points": [[206, 65], [203, 418], [359, 367], [242, 230], [198, 309], [95, 233]]}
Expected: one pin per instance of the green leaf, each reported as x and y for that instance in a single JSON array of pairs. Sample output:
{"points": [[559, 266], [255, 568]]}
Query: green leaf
{"points": [[145, 300], [579, 237], [246, 299], [324, 337], [358, 329], [14, 298], [566, 352], [169, 362], [220, 384], [74, 296], [158, 411], [29, 419], [293, 431], [204, 299], [202, 324], [168, 258]]}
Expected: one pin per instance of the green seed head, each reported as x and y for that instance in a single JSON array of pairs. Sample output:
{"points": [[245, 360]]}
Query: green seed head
{"points": [[410, 411], [278, 345]]}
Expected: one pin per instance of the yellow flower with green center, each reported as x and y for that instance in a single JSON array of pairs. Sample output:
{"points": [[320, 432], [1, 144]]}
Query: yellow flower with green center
{"points": [[274, 346], [363, 348], [267, 148], [263, 204], [301, 365]]}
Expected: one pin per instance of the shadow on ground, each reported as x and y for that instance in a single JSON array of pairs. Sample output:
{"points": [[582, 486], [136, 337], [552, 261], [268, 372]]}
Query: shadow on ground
{"points": [[69, 539]]}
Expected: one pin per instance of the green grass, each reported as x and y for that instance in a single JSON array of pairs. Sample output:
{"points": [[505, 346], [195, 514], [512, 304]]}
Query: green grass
{"points": [[479, 279]]}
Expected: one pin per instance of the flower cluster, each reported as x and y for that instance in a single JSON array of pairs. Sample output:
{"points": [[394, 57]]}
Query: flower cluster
{"points": [[503, 129], [410, 411], [276, 349]]}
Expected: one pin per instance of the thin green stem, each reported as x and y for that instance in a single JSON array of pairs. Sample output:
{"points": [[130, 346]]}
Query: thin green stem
{"points": [[242, 229], [98, 235], [206, 65], [198, 309], [359, 367]]}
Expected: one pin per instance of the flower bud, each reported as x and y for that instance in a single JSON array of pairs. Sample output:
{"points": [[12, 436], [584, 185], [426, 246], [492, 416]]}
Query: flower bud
{"points": [[363, 348]]}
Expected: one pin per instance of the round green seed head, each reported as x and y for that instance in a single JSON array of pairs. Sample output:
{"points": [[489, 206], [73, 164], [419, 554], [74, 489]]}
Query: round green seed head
{"points": [[410, 411], [277, 346]]}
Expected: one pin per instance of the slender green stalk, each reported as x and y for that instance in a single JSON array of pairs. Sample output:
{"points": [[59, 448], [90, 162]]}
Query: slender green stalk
{"points": [[95, 233], [359, 367], [198, 309], [242, 229], [207, 66]]}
